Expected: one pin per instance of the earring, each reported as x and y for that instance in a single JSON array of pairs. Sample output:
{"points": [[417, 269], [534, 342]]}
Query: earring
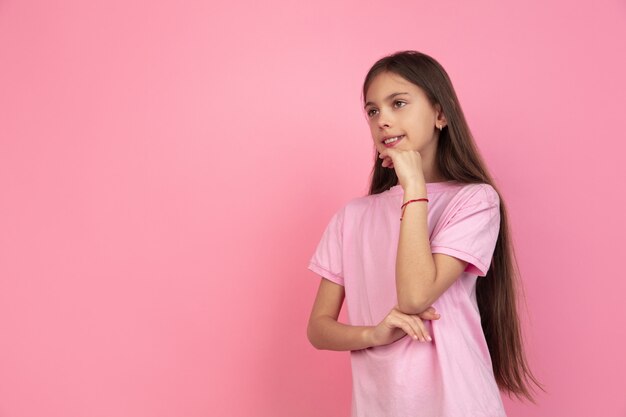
{"points": [[440, 127]]}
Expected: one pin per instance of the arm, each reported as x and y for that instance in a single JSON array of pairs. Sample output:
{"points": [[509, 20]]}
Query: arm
{"points": [[421, 277], [325, 332]]}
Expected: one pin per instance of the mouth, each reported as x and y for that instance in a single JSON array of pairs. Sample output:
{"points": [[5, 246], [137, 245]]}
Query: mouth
{"points": [[392, 140]]}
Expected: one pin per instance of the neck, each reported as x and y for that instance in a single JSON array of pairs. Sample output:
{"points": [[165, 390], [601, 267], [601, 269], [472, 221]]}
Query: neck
{"points": [[429, 166]]}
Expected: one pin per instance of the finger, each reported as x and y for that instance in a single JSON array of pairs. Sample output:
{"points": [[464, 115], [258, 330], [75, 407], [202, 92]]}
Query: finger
{"points": [[402, 321], [387, 153], [423, 332], [410, 326], [410, 330], [429, 315], [420, 329], [431, 310]]}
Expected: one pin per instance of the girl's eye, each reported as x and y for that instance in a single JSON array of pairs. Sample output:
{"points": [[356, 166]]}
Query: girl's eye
{"points": [[399, 103], [371, 112]]}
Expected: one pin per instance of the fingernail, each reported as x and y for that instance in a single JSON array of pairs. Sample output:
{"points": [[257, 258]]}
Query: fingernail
{"points": [[429, 339]]}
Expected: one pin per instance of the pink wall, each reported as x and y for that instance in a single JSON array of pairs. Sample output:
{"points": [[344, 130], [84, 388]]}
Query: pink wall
{"points": [[167, 168]]}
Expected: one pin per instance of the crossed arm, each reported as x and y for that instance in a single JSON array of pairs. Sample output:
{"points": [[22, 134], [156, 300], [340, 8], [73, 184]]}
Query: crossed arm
{"points": [[421, 277], [326, 332]]}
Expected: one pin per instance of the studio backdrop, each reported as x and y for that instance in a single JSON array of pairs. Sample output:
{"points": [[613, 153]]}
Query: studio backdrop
{"points": [[167, 169]]}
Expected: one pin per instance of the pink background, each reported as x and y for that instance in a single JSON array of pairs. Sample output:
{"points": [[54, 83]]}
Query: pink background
{"points": [[167, 169]]}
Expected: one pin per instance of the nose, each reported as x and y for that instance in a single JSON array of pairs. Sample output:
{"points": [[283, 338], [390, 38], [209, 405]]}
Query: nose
{"points": [[384, 119]]}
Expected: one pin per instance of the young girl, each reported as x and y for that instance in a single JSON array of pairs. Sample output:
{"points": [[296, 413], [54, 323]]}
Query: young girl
{"points": [[424, 261]]}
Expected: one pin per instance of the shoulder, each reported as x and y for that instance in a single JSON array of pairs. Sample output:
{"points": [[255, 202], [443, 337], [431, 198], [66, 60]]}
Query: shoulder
{"points": [[349, 207], [478, 193], [362, 202], [354, 207], [358, 208]]}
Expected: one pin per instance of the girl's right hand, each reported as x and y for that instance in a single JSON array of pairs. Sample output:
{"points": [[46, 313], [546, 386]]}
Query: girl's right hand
{"points": [[396, 325]]}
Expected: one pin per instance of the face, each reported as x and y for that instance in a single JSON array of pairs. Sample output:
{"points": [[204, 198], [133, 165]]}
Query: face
{"points": [[400, 115]]}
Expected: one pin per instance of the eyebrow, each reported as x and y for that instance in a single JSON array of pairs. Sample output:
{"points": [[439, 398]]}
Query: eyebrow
{"points": [[389, 97]]}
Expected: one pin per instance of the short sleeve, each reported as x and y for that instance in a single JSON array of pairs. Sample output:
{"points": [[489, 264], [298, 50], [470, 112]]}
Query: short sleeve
{"points": [[472, 230], [327, 260]]}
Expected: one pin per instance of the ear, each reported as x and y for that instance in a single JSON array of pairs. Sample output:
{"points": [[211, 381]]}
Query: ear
{"points": [[440, 117]]}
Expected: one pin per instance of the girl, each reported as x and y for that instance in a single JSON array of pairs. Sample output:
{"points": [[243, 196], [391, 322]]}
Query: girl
{"points": [[424, 261]]}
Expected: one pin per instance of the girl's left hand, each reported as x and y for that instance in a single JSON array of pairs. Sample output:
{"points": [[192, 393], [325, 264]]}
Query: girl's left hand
{"points": [[408, 166]]}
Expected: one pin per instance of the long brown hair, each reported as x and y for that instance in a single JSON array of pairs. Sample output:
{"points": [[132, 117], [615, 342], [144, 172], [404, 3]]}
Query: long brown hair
{"points": [[458, 159]]}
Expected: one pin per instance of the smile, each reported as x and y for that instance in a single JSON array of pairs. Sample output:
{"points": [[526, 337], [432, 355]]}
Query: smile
{"points": [[390, 141]]}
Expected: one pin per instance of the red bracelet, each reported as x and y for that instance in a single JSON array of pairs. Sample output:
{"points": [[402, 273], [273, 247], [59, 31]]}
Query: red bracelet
{"points": [[403, 207]]}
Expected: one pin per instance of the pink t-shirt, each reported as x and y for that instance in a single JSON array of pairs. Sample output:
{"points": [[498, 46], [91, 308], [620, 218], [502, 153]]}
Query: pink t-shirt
{"points": [[451, 376]]}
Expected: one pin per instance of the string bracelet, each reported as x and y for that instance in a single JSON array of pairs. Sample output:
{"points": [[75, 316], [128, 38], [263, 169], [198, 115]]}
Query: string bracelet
{"points": [[403, 207]]}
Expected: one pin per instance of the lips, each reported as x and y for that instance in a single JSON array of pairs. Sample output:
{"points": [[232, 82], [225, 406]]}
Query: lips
{"points": [[390, 141]]}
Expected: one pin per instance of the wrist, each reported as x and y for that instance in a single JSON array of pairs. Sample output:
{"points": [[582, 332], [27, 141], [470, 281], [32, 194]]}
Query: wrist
{"points": [[415, 190], [368, 336]]}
